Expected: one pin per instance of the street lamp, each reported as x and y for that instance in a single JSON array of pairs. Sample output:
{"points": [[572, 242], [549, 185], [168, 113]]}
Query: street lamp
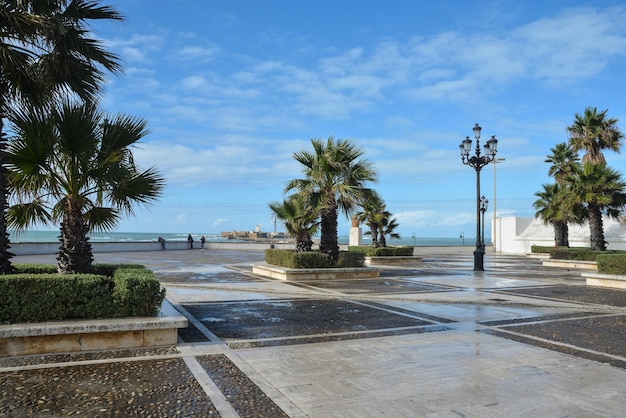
{"points": [[483, 208], [477, 162]]}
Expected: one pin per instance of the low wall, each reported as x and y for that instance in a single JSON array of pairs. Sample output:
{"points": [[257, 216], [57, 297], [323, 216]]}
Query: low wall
{"points": [[35, 248]]}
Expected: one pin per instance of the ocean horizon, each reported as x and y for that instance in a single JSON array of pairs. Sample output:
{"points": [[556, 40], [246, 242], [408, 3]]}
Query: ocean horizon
{"points": [[53, 236]]}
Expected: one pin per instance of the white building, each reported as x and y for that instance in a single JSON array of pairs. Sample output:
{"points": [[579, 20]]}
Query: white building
{"points": [[517, 235]]}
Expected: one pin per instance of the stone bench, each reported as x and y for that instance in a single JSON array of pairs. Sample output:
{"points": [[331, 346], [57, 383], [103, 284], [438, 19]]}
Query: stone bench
{"points": [[394, 260], [91, 335], [571, 264], [605, 280], [283, 273]]}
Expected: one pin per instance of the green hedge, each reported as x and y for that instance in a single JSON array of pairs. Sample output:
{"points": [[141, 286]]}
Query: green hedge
{"points": [[312, 259], [611, 263], [35, 294], [137, 292], [370, 251], [579, 254], [546, 249]]}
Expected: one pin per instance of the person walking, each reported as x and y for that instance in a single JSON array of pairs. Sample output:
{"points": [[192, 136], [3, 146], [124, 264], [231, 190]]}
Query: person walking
{"points": [[189, 242], [202, 241]]}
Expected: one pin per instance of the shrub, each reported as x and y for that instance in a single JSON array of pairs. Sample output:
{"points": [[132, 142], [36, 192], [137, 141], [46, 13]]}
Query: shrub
{"points": [[350, 259], [370, 251], [580, 254], [137, 292], [35, 293], [312, 259], [51, 296], [546, 249], [611, 263]]}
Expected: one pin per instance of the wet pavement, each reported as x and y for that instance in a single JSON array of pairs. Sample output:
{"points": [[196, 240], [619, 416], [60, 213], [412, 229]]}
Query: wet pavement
{"points": [[437, 339]]}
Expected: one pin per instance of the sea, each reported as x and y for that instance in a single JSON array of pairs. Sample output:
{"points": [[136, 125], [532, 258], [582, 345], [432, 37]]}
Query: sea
{"points": [[53, 236]]}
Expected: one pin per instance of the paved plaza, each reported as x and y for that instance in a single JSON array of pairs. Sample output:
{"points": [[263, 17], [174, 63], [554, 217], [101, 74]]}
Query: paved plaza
{"points": [[430, 340]]}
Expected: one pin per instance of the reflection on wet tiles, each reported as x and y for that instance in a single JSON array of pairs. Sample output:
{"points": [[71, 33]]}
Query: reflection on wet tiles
{"points": [[582, 332], [288, 318], [378, 285], [463, 312], [192, 275], [577, 293], [565, 349], [549, 317], [238, 345]]}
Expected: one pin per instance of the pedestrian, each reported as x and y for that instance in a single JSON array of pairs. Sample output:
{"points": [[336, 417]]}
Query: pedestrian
{"points": [[202, 241], [162, 242], [189, 242]]}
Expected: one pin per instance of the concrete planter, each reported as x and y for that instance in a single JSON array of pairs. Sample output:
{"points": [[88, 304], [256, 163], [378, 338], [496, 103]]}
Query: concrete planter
{"points": [[90, 335], [283, 273]]}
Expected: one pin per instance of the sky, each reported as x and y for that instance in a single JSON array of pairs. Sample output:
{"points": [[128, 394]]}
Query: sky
{"points": [[231, 89]]}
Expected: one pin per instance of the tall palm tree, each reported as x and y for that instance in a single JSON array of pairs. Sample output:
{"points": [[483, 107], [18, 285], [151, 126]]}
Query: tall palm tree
{"points": [[335, 180], [593, 132], [46, 50], [601, 190], [74, 165], [299, 218]]}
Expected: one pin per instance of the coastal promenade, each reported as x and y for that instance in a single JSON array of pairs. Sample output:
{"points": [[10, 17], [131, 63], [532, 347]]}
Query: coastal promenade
{"points": [[430, 340]]}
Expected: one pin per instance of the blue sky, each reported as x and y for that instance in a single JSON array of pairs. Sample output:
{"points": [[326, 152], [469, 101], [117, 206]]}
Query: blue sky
{"points": [[231, 89]]}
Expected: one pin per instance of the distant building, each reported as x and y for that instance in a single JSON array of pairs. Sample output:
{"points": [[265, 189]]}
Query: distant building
{"points": [[253, 235]]}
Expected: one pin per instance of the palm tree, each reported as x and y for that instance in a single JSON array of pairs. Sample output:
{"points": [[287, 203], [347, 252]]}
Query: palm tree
{"points": [[74, 165], [387, 228], [370, 215], [592, 132], [299, 218], [555, 208], [601, 191], [335, 180], [46, 50], [550, 205], [564, 161]]}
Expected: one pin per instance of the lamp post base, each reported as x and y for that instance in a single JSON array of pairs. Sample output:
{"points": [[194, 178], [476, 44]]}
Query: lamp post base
{"points": [[478, 259]]}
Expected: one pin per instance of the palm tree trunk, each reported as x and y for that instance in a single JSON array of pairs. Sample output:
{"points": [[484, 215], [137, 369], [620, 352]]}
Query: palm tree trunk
{"points": [[561, 234], [596, 229], [303, 243], [5, 255], [374, 232], [75, 253], [383, 240], [328, 240]]}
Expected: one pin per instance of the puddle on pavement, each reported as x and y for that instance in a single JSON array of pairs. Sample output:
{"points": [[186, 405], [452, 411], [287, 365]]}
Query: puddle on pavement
{"points": [[462, 312], [200, 294]]}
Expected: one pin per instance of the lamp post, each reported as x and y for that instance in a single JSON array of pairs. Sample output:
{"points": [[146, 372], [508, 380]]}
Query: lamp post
{"points": [[477, 162], [483, 208]]}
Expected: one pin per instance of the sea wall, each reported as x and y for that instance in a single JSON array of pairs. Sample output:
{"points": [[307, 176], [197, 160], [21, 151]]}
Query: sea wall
{"points": [[34, 248]]}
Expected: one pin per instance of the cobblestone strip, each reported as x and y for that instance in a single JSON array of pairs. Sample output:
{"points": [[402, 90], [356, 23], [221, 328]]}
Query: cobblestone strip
{"points": [[143, 388], [559, 347], [218, 399], [244, 395]]}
